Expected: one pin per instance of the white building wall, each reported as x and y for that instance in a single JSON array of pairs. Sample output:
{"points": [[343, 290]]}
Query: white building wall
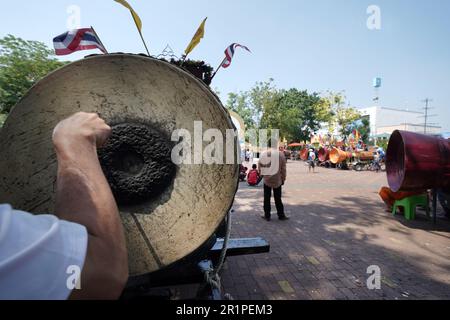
{"points": [[385, 120], [372, 112]]}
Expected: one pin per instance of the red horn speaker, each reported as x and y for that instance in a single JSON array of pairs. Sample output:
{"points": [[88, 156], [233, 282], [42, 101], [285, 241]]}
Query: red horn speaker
{"points": [[324, 154], [417, 162]]}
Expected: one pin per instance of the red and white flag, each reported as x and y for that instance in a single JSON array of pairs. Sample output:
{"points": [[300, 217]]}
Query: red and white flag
{"points": [[229, 53], [76, 40]]}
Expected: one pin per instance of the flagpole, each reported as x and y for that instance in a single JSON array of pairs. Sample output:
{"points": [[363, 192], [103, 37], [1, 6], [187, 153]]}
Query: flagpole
{"points": [[140, 33], [184, 59], [214, 74], [143, 41], [95, 32]]}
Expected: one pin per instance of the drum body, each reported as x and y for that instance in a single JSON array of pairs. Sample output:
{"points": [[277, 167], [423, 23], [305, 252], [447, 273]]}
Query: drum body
{"points": [[417, 162], [339, 156]]}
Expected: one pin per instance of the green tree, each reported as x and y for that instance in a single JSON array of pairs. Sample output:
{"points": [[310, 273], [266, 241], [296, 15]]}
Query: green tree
{"points": [[296, 113], [363, 126], [345, 118], [340, 116], [22, 64], [325, 110], [2, 119], [251, 104], [238, 102], [262, 97], [364, 129]]}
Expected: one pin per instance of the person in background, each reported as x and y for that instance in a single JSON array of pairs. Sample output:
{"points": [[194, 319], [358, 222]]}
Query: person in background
{"points": [[253, 177], [381, 154], [247, 155], [242, 172], [311, 160], [272, 167], [39, 252]]}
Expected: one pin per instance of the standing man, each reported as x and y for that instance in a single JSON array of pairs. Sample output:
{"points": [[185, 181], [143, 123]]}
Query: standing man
{"points": [[311, 160], [272, 167], [247, 155]]}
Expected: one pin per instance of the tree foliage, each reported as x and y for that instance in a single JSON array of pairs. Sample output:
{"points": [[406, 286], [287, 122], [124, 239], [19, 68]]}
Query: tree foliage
{"points": [[238, 102], [363, 126], [22, 64], [252, 104], [297, 114], [341, 118], [2, 119], [345, 118], [262, 97]]}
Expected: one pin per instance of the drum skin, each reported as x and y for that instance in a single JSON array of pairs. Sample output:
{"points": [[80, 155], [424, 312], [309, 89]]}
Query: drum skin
{"points": [[125, 89]]}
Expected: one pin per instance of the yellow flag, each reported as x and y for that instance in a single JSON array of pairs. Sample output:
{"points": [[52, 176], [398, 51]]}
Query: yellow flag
{"points": [[196, 39], [136, 18]]}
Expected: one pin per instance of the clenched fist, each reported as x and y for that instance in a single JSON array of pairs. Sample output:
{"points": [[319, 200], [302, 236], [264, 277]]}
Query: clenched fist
{"points": [[81, 130]]}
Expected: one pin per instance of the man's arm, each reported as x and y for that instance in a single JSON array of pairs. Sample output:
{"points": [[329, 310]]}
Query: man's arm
{"points": [[84, 196], [259, 167]]}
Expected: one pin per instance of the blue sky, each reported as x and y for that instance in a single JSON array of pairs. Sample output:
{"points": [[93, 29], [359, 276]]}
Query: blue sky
{"points": [[316, 45]]}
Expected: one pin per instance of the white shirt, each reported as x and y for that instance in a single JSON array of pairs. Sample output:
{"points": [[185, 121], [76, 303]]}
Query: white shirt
{"points": [[38, 255]]}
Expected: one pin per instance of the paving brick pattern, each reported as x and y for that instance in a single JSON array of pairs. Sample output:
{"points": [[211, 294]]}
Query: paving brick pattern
{"points": [[338, 228]]}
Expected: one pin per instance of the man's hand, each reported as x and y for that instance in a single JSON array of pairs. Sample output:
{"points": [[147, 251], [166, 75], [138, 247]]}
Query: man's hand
{"points": [[79, 131]]}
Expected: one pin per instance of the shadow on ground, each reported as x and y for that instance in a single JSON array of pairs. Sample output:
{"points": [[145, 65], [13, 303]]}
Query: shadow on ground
{"points": [[324, 250]]}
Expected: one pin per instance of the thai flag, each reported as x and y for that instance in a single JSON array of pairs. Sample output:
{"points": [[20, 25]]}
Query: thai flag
{"points": [[229, 53], [75, 40]]}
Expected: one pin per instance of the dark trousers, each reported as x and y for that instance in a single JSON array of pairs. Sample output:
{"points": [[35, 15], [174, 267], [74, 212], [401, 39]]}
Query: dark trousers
{"points": [[278, 203]]}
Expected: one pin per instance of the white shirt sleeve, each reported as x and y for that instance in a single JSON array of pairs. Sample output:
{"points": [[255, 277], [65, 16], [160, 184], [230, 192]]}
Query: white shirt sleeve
{"points": [[38, 255]]}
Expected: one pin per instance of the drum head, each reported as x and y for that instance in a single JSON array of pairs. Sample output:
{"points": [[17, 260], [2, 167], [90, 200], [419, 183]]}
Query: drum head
{"points": [[168, 210]]}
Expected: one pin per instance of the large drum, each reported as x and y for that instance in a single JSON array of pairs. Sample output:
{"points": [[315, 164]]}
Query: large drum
{"points": [[339, 156], [169, 211], [417, 162]]}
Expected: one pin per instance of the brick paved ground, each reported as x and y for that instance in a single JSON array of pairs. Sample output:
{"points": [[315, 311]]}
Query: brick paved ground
{"points": [[338, 228]]}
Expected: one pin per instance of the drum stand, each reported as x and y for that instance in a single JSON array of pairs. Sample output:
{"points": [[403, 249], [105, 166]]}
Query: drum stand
{"points": [[205, 273]]}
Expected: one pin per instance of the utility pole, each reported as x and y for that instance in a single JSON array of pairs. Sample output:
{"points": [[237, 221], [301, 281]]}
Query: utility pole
{"points": [[427, 114]]}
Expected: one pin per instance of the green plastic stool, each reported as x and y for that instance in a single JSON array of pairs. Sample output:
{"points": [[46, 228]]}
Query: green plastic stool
{"points": [[410, 204]]}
